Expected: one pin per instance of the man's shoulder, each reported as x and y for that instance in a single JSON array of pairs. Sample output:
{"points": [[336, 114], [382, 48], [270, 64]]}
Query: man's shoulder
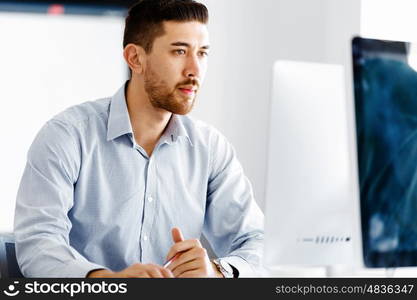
{"points": [[80, 114]]}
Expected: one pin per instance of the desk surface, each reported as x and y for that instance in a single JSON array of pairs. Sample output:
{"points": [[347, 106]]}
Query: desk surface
{"points": [[342, 271]]}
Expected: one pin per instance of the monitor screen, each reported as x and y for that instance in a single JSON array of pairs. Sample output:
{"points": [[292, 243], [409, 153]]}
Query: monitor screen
{"points": [[385, 83]]}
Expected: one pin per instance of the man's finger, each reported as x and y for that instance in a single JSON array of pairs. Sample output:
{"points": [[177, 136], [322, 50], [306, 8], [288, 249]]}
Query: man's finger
{"points": [[167, 273], [191, 274], [187, 267], [177, 235], [154, 272], [183, 258], [182, 247]]}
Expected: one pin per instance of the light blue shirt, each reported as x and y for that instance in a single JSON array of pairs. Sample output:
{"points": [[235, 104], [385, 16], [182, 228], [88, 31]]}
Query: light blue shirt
{"points": [[90, 197]]}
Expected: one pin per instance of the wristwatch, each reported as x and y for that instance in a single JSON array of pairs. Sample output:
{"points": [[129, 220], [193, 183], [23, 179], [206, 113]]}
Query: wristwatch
{"points": [[223, 268]]}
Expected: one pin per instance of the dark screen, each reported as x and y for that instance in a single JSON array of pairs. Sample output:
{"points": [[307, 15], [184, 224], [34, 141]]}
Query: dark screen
{"points": [[12, 265], [386, 126]]}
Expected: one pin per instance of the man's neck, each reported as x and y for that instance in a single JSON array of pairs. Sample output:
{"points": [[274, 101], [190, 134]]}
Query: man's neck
{"points": [[148, 123]]}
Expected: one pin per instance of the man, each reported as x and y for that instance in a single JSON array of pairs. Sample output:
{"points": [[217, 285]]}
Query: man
{"points": [[107, 182]]}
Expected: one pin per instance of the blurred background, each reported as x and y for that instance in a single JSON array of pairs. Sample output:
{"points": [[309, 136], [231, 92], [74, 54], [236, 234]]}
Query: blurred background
{"points": [[57, 54]]}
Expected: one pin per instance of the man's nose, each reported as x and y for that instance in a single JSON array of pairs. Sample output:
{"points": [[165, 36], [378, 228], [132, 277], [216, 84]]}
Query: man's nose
{"points": [[193, 68]]}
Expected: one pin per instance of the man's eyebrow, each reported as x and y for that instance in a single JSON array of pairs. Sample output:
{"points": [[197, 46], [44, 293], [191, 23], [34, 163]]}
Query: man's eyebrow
{"points": [[183, 44]]}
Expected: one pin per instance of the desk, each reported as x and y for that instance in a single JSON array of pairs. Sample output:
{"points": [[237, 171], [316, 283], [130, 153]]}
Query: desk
{"points": [[342, 271]]}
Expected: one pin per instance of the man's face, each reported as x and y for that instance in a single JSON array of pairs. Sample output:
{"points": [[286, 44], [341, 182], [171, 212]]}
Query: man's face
{"points": [[176, 66]]}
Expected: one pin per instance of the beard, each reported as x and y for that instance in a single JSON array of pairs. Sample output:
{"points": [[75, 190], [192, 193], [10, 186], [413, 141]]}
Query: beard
{"points": [[161, 96]]}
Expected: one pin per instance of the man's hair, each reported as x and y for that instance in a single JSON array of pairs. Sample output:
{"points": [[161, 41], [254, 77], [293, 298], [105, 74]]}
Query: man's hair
{"points": [[145, 19]]}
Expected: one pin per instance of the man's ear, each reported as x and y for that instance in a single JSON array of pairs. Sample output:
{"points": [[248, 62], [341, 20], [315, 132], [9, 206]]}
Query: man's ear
{"points": [[135, 58]]}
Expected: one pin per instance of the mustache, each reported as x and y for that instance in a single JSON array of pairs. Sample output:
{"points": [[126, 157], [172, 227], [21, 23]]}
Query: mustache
{"points": [[193, 82]]}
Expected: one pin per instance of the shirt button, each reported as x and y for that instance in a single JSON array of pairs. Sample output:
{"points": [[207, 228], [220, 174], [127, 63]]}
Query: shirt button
{"points": [[150, 199], [145, 238]]}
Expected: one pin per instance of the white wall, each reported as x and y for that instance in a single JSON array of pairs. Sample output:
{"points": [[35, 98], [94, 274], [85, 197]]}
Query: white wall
{"points": [[388, 19], [49, 63]]}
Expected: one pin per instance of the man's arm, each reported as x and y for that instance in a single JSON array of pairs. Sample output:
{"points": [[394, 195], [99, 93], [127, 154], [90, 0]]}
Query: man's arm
{"points": [[44, 198], [134, 271], [234, 223]]}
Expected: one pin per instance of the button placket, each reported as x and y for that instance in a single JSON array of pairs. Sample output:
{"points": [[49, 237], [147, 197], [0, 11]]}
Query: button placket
{"points": [[149, 206]]}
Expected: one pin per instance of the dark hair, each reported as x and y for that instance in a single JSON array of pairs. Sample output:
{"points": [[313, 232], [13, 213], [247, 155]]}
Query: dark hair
{"points": [[145, 19]]}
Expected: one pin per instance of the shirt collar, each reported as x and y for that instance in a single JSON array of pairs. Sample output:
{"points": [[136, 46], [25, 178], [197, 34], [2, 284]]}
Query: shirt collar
{"points": [[174, 130], [119, 121]]}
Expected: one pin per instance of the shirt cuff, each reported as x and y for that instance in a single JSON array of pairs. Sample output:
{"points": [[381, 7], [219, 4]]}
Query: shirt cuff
{"points": [[244, 268], [80, 268]]}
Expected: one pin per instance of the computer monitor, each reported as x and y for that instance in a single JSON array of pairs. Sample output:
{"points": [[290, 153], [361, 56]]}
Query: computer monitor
{"points": [[9, 267], [385, 84], [309, 209]]}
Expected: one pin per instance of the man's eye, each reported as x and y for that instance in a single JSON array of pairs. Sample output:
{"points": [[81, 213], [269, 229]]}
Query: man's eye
{"points": [[180, 51], [203, 53]]}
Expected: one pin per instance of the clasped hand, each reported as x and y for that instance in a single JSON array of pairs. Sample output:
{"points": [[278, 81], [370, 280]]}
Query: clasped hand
{"points": [[188, 259]]}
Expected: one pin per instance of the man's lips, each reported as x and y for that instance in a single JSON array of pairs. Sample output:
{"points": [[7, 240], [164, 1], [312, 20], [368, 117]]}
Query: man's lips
{"points": [[187, 91]]}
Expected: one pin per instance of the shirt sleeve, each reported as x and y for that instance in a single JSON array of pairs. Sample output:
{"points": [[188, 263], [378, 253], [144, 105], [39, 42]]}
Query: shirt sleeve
{"points": [[234, 222], [45, 196]]}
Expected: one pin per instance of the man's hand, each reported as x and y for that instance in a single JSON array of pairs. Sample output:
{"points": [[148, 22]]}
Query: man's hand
{"points": [[134, 271], [191, 258]]}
